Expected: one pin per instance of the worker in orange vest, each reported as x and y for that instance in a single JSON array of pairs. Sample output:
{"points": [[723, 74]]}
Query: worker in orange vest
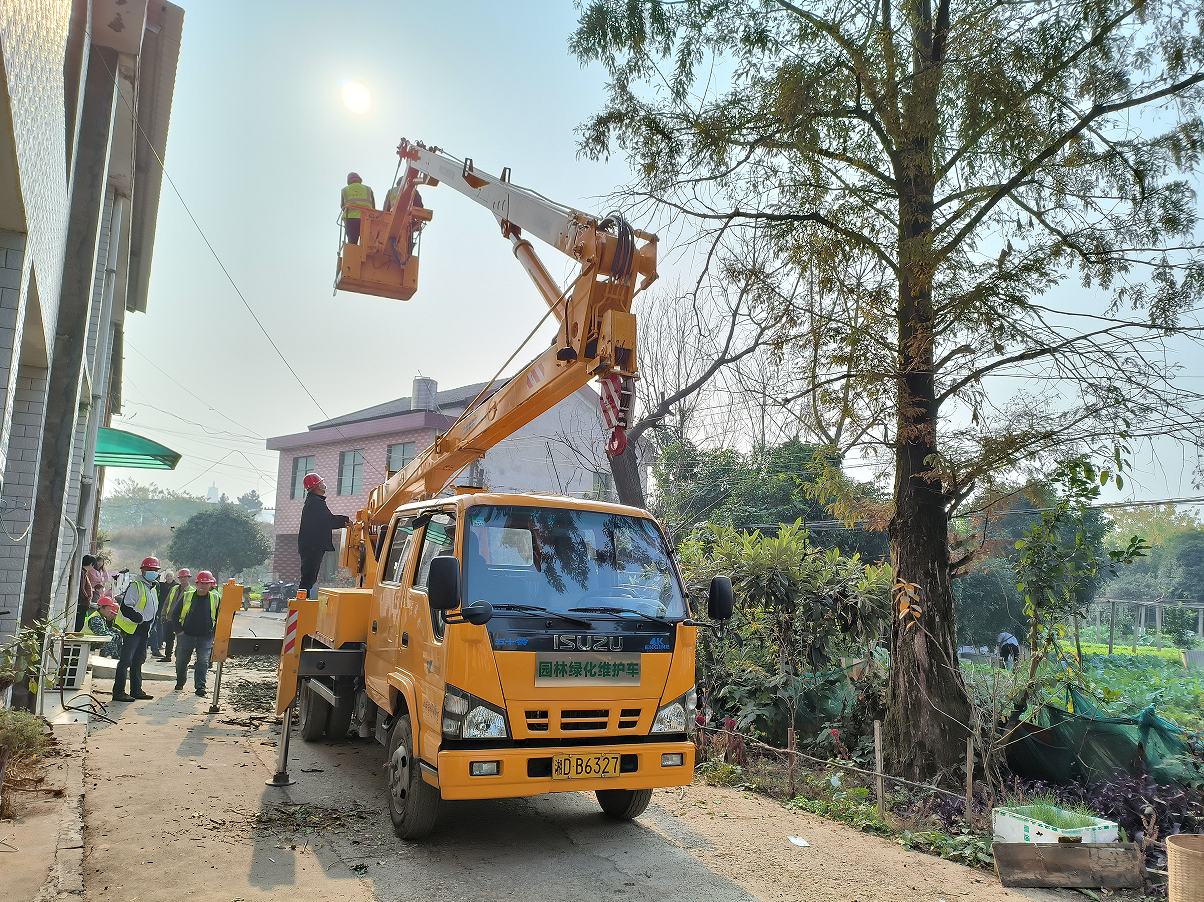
{"points": [[355, 196]]}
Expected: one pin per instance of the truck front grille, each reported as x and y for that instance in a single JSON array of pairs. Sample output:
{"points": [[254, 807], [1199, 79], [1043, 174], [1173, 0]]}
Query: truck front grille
{"points": [[571, 721]]}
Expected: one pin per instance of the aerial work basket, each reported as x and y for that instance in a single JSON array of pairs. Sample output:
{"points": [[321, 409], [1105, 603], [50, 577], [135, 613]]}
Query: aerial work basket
{"points": [[385, 262]]}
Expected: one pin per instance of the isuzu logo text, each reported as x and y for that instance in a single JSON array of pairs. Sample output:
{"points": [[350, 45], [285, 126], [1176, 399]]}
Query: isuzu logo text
{"points": [[587, 643]]}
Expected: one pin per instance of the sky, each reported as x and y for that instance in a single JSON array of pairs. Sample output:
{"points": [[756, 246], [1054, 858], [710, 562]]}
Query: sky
{"points": [[259, 147]]}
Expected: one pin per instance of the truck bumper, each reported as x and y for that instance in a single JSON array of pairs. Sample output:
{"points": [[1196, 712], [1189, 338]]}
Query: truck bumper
{"points": [[527, 771]]}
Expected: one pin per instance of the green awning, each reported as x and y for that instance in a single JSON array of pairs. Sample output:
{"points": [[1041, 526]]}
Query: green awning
{"points": [[115, 448]]}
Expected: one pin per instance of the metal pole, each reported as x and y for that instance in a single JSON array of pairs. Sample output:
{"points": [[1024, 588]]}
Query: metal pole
{"points": [[1111, 625], [217, 688], [970, 779], [1158, 623], [1138, 613], [878, 768], [282, 778]]}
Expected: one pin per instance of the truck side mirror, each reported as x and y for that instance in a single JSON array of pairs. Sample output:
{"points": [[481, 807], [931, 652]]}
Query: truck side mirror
{"points": [[721, 599], [443, 583], [478, 613]]}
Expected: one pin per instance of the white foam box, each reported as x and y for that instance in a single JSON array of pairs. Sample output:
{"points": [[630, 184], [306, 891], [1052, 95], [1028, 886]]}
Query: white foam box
{"points": [[1015, 825]]}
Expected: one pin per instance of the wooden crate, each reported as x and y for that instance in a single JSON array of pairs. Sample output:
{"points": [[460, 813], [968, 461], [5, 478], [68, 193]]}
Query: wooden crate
{"points": [[1069, 865]]}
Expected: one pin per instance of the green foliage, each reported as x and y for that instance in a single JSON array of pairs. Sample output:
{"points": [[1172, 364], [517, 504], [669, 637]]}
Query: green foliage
{"points": [[1125, 684], [21, 656], [22, 734], [222, 538], [1179, 625], [251, 502], [1048, 812], [860, 814], [795, 604], [717, 772], [1053, 569], [966, 846], [758, 490]]}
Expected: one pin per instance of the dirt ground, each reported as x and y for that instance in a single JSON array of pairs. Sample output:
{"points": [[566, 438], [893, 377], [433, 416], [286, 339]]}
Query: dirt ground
{"points": [[747, 835], [176, 808]]}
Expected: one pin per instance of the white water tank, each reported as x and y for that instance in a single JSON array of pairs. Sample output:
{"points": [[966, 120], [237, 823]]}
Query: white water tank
{"points": [[422, 396]]}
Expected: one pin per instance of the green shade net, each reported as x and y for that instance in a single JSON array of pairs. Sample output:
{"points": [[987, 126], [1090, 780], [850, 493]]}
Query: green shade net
{"points": [[115, 448], [1081, 743]]}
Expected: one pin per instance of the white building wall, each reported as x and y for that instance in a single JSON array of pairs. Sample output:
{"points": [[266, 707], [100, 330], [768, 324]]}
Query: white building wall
{"points": [[559, 451]]}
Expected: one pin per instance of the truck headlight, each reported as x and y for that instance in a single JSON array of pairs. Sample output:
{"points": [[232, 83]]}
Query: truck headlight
{"points": [[484, 722], [671, 718], [468, 717]]}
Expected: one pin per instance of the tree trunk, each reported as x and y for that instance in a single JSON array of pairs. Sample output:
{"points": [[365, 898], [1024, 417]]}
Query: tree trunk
{"points": [[625, 469], [928, 712]]}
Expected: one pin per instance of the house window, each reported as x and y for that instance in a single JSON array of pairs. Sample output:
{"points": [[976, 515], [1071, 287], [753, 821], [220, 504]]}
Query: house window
{"points": [[400, 456], [351, 472], [302, 467], [603, 486]]}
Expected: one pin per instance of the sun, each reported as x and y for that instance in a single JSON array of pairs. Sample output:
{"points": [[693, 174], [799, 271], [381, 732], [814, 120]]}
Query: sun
{"points": [[356, 96]]}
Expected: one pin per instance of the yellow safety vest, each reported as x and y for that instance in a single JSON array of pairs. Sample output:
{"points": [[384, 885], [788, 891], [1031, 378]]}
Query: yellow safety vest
{"points": [[124, 623], [357, 193], [173, 596], [214, 601]]}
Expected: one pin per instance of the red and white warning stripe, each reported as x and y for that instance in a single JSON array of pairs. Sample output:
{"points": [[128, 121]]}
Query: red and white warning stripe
{"points": [[290, 632]]}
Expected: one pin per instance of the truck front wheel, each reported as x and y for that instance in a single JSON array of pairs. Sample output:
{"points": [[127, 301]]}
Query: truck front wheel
{"points": [[413, 803], [624, 804]]}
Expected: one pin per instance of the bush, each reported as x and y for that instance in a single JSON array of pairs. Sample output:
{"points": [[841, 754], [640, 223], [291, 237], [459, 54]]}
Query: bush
{"points": [[22, 735]]}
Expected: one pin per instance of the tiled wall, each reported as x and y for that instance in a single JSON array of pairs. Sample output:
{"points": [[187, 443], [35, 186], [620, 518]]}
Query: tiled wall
{"points": [[20, 477], [33, 34]]}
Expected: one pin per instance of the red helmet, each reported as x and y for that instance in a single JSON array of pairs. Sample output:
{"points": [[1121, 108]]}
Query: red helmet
{"points": [[205, 577], [183, 571], [150, 563], [353, 177], [311, 480], [107, 602]]}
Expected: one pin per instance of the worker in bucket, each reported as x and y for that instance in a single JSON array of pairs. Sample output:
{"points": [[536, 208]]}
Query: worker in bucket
{"points": [[355, 196], [393, 193], [313, 537], [194, 624], [139, 605]]}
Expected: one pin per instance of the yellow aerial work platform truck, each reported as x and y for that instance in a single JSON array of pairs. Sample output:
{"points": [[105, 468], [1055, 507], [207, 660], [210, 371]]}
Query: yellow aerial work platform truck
{"points": [[502, 644]]}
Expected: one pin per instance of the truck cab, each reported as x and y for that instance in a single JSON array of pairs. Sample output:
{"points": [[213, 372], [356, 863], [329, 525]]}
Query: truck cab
{"points": [[513, 645]]}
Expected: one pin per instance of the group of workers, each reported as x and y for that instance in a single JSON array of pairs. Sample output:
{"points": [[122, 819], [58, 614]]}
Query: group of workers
{"points": [[357, 196], [186, 617]]}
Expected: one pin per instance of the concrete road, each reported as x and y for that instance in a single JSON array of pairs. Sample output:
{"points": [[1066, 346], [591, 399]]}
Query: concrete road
{"points": [[546, 848], [257, 624]]}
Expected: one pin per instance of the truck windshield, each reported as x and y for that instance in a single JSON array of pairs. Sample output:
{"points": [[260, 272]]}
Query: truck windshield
{"points": [[559, 559]]}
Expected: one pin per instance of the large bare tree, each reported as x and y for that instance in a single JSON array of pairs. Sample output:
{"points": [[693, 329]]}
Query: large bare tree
{"points": [[943, 171]]}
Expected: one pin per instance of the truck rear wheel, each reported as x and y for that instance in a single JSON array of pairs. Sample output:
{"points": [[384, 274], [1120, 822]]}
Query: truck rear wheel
{"points": [[624, 804], [340, 717], [314, 713], [413, 803]]}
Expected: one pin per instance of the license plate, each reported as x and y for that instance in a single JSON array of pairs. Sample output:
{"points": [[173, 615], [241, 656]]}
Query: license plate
{"points": [[584, 767]]}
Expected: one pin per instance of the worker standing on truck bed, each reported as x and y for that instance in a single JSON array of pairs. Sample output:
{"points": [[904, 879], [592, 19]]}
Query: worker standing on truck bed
{"points": [[138, 608], [313, 537], [194, 625], [356, 193]]}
